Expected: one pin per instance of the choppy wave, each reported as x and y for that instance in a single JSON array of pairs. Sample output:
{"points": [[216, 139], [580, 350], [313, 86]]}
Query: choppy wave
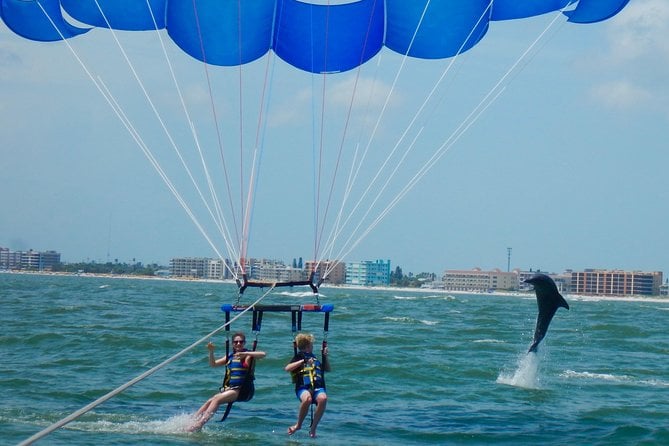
{"points": [[404, 370], [410, 320]]}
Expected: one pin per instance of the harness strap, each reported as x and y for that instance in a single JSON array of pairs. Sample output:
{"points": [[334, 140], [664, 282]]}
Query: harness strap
{"points": [[227, 412]]}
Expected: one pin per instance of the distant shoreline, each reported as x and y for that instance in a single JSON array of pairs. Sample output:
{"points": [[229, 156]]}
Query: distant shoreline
{"points": [[657, 299]]}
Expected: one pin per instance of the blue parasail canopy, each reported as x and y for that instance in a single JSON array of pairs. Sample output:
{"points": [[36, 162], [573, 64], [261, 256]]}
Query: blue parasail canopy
{"points": [[313, 35]]}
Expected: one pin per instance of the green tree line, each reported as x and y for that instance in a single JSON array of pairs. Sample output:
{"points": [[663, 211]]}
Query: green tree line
{"points": [[399, 279], [132, 269]]}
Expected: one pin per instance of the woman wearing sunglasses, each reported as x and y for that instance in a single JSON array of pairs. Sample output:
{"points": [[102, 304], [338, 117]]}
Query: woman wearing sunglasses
{"points": [[239, 364]]}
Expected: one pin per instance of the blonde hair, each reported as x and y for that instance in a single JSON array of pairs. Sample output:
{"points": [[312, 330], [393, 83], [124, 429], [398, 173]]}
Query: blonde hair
{"points": [[304, 340]]}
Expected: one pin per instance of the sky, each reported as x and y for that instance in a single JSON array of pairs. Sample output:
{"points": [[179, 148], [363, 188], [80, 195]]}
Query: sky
{"points": [[566, 163]]}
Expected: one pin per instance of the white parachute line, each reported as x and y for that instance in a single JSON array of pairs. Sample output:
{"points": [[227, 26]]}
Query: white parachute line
{"points": [[438, 154], [352, 176], [104, 92], [258, 150], [73, 416], [475, 114], [196, 140], [336, 227], [381, 115], [443, 149], [453, 138], [411, 124], [466, 124], [345, 250], [118, 110], [422, 107], [220, 220], [159, 117], [339, 162], [470, 120], [154, 162], [370, 207]]}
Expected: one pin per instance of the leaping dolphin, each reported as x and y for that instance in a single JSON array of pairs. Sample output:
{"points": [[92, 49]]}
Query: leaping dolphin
{"points": [[548, 301]]}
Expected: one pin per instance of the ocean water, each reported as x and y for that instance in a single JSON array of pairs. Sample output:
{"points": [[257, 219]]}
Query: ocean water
{"points": [[408, 367]]}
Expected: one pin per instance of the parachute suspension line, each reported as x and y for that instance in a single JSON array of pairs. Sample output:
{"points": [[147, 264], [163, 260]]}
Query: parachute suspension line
{"points": [[258, 148], [348, 246], [347, 121], [425, 102], [113, 104], [240, 106], [215, 118], [464, 126], [166, 131], [405, 133], [381, 115], [319, 171], [483, 105], [149, 155], [219, 220], [337, 227], [478, 110], [137, 379]]}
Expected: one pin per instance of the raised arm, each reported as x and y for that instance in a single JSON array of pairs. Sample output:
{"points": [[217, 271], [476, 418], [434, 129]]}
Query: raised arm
{"points": [[213, 362]]}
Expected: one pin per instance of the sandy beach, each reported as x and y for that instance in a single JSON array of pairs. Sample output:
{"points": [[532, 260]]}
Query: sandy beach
{"points": [[523, 295]]}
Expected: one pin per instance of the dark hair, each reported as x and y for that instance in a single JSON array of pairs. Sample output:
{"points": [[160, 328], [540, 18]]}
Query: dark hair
{"points": [[240, 335]]}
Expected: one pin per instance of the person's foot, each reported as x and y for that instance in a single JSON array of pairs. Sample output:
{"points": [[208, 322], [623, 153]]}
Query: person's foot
{"points": [[293, 429], [194, 427], [199, 421], [312, 434]]}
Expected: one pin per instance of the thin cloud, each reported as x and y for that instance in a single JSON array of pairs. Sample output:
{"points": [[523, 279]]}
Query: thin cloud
{"points": [[638, 57], [640, 31], [621, 94]]}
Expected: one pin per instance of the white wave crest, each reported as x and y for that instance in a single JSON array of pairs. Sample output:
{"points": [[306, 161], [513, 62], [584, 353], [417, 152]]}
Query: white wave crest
{"points": [[409, 320], [615, 378]]}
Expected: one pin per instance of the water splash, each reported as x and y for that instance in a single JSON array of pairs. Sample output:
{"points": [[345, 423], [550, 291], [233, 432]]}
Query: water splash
{"points": [[526, 374], [177, 424]]}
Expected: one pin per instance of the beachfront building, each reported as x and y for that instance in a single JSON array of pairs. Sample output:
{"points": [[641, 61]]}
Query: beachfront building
{"points": [[28, 260], [9, 259], [196, 268], [664, 289], [279, 272], [336, 271], [616, 282], [368, 273], [477, 280]]}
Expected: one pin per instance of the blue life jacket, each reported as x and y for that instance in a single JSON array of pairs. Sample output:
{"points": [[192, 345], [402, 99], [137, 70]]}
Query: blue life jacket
{"points": [[309, 376]]}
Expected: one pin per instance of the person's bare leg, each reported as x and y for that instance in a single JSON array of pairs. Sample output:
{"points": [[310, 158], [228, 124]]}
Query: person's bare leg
{"points": [[210, 407], [305, 402], [321, 403]]}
